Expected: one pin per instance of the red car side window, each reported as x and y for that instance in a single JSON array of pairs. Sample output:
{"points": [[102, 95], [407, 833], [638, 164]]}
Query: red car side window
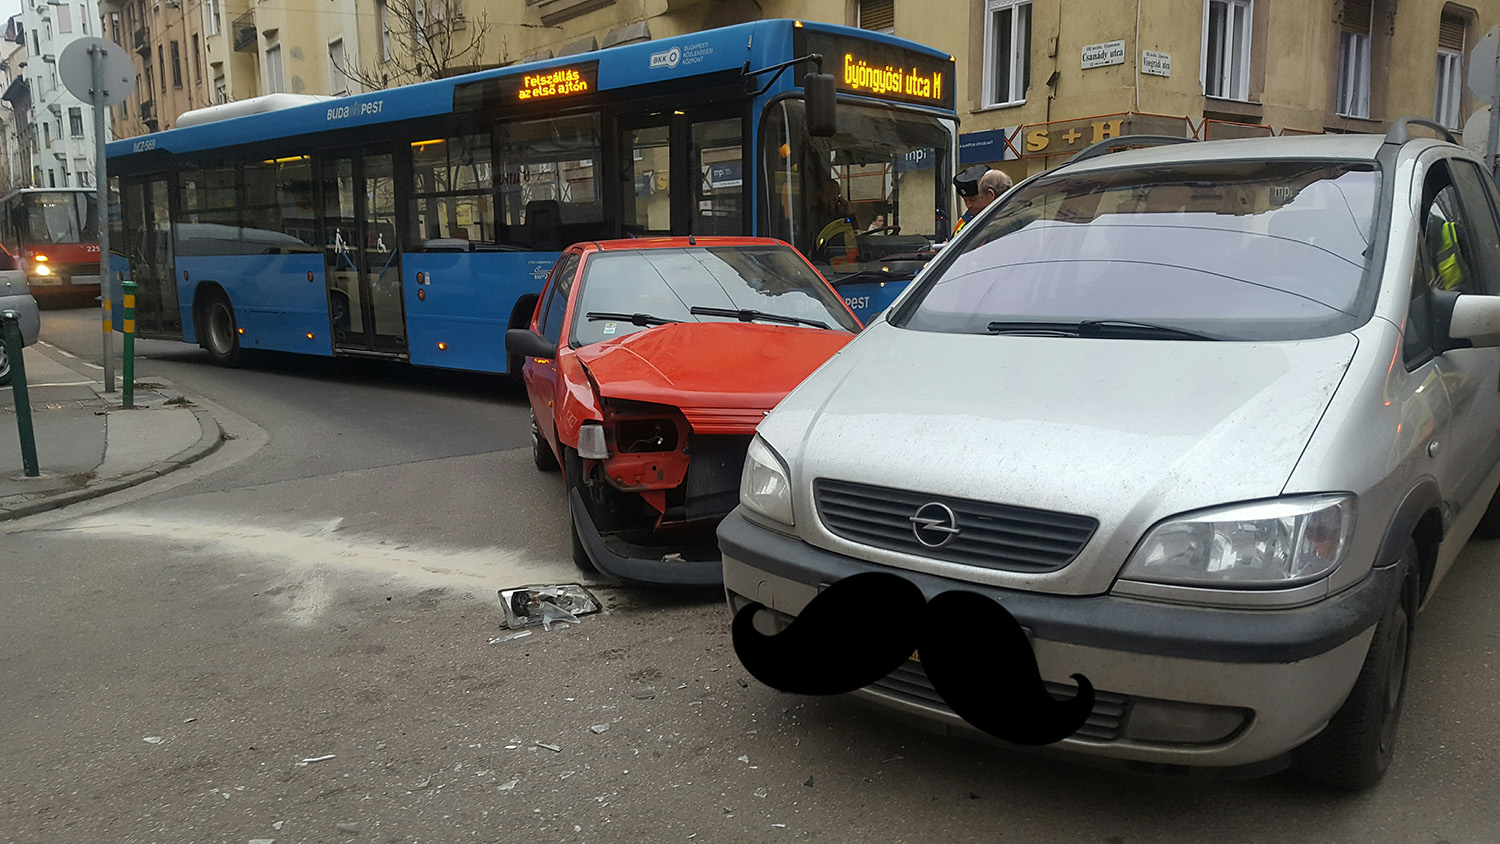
{"points": [[557, 297]]}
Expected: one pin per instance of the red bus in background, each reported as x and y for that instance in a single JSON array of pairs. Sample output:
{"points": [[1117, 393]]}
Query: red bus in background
{"points": [[54, 233]]}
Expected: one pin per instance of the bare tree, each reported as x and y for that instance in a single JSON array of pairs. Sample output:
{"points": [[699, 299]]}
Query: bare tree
{"points": [[422, 40]]}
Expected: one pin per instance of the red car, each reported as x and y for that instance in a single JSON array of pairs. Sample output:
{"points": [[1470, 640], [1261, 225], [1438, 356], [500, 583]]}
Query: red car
{"points": [[648, 364]]}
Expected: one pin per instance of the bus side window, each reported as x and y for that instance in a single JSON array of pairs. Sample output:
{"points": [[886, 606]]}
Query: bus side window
{"points": [[547, 179]]}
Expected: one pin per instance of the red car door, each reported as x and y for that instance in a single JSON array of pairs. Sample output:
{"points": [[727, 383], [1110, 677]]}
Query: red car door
{"points": [[541, 375]]}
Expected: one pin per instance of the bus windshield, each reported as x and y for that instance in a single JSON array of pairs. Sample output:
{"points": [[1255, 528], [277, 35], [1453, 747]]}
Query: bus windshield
{"points": [[55, 218], [870, 199]]}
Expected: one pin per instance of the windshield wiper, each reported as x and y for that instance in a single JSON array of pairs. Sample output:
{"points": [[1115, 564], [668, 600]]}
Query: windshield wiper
{"points": [[1131, 328], [748, 315], [1096, 328], [633, 319]]}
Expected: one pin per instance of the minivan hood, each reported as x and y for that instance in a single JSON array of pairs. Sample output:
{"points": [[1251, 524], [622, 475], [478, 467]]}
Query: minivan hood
{"points": [[1126, 431]]}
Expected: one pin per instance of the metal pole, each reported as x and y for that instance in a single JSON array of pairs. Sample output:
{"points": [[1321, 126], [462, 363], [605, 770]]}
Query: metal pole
{"points": [[10, 335], [101, 191], [128, 325]]}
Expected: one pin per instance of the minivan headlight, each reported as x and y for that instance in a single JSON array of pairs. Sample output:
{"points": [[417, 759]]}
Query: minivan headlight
{"points": [[765, 484], [1274, 543]]}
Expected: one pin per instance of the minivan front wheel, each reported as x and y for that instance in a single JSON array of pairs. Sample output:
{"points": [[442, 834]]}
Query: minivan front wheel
{"points": [[1355, 749]]}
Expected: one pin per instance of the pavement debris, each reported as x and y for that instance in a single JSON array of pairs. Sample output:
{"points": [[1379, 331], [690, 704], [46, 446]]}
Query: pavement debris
{"points": [[552, 747], [599, 728], [350, 828], [311, 759], [809, 782], [644, 694], [761, 792], [745, 759], [507, 786], [521, 635], [529, 606], [153, 739]]}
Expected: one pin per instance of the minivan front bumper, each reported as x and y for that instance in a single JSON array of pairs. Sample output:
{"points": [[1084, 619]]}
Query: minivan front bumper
{"points": [[1286, 670]]}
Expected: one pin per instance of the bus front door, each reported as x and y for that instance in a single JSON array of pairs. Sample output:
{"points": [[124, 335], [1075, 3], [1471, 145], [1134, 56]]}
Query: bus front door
{"points": [[146, 218], [362, 254]]}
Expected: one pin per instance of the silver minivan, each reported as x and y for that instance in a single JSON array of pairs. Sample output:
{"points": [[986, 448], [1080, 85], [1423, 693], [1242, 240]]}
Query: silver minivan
{"points": [[1211, 420]]}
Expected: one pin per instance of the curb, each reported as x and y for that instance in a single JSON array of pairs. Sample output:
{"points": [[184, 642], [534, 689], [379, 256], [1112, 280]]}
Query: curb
{"points": [[209, 440]]}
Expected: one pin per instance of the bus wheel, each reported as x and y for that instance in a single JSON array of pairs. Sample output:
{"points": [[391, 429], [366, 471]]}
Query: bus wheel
{"points": [[4, 366], [221, 332]]}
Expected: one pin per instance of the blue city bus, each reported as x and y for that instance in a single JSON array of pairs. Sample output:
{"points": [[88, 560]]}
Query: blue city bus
{"points": [[419, 223]]}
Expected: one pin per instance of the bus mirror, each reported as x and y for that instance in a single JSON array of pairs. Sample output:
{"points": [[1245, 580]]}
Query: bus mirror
{"points": [[821, 117]]}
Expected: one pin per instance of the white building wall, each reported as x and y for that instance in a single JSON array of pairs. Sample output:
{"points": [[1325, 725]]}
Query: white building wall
{"points": [[65, 124]]}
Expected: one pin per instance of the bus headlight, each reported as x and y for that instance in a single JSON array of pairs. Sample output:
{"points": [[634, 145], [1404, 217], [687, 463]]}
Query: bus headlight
{"points": [[42, 269], [765, 485]]}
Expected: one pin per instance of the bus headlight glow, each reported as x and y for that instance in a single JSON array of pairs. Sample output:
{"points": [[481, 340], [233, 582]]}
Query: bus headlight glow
{"points": [[43, 269]]}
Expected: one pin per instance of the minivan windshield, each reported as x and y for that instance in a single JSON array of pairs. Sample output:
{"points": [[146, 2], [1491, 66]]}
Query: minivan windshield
{"points": [[1255, 250], [763, 284]]}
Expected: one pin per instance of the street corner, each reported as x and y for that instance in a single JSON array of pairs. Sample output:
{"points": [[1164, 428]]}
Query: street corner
{"points": [[86, 448]]}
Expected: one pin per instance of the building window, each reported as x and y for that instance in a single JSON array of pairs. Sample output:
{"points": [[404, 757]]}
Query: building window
{"points": [[338, 82], [161, 66], [877, 15], [65, 18], [1354, 60], [1226, 49], [214, 13], [75, 121], [176, 65], [221, 89], [197, 60], [1007, 51], [84, 172], [1450, 72], [385, 32], [275, 82], [47, 135]]}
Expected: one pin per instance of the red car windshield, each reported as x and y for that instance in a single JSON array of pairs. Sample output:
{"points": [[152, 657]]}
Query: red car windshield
{"points": [[670, 284]]}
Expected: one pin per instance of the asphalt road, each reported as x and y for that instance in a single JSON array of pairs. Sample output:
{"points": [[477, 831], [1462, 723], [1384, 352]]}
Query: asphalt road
{"points": [[324, 586]]}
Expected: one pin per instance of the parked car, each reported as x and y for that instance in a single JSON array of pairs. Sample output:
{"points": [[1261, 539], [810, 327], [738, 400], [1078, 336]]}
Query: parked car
{"points": [[649, 362], [1210, 420], [15, 296]]}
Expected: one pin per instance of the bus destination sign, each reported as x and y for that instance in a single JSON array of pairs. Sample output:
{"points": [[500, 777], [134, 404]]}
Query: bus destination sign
{"points": [[860, 78], [551, 84], [885, 71]]}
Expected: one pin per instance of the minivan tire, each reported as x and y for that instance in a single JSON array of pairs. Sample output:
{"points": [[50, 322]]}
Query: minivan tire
{"points": [[4, 366], [1355, 749]]}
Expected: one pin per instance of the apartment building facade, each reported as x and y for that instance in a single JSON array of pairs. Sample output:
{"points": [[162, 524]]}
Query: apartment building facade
{"points": [[50, 139], [1041, 79]]}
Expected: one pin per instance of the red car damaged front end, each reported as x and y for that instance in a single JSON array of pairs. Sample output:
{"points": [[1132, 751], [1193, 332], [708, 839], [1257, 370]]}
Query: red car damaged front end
{"points": [[660, 466]]}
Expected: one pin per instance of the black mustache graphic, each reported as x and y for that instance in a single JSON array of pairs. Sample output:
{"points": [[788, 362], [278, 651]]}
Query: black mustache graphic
{"points": [[976, 655]]}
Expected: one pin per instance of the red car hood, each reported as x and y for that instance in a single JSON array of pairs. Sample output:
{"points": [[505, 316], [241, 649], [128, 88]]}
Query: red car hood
{"points": [[706, 368]]}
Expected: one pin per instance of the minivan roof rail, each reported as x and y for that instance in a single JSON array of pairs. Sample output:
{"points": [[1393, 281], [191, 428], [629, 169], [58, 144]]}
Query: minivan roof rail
{"points": [[1109, 145], [1401, 132]]}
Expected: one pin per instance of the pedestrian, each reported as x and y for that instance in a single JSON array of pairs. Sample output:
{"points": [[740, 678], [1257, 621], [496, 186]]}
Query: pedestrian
{"points": [[978, 186]]}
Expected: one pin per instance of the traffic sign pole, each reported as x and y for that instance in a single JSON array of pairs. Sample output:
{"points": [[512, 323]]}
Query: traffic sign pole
{"points": [[101, 189]]}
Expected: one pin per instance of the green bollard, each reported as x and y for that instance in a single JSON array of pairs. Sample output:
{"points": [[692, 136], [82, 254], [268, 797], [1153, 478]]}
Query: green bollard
{"points": [[128, 323], [10, 334]]}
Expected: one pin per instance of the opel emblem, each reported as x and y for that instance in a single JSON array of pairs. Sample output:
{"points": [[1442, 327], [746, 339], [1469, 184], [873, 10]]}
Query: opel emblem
{"points": [[934, 524]]}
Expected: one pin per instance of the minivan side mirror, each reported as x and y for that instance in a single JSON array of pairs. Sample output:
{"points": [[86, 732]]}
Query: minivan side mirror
{"points": [[524, 341], [1476, 318], [822, 119]]}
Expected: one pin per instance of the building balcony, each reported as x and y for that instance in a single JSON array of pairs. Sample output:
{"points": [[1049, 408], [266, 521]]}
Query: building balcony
{"points": [[148, 111], [244, 32], [143, 41]]}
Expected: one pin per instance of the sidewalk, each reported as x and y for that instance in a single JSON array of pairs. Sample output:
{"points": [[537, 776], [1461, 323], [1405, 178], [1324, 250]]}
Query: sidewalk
{"points": [[87, 444]]}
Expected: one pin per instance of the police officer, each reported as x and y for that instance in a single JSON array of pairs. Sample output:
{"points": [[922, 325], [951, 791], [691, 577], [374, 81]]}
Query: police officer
{"points": [[978, 186]]}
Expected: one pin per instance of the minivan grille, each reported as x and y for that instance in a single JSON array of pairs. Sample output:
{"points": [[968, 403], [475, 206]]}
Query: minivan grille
{"points": [[996, 536], [909, 683]]}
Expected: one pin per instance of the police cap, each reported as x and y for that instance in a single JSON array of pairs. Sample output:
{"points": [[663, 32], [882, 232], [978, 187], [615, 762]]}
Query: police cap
{"points": [[967, 181]]}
